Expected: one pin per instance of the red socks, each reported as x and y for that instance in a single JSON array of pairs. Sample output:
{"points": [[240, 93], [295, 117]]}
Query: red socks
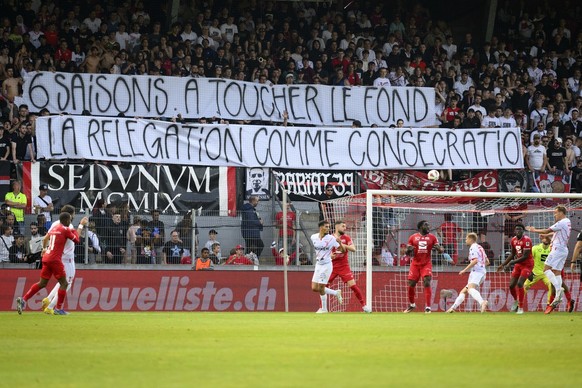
{"points": [[61, 298], [428, 296], [513, 292], [411, 294], [521, 296], [33, 290], [358, 294]]}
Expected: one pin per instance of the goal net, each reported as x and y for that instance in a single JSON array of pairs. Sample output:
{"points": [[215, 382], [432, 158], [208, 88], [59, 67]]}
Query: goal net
{"points": [[381, 221]]}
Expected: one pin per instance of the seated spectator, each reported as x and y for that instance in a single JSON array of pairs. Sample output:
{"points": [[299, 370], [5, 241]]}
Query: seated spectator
{"points": [[215, 254], [203, 263], [146, 250], [18, 252], [211, 239], [239, 257], [174, 249], [304, 259]]}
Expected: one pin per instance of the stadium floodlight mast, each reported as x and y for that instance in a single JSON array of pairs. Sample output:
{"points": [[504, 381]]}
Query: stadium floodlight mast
{"points": [[381, 221]]}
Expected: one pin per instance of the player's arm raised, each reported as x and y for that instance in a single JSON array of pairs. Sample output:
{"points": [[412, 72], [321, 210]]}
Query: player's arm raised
{"points": [[541, 231]]}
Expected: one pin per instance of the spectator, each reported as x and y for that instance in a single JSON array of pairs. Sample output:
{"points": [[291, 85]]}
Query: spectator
{"points": [[7, 242], [94, 248], [449, 233], [536, 158], [158, 229], [114, 241], [146, 247], [43, 203], [21, 143], [133, 234], [17, 202], [211, 239], [215, 254], [304, 259], [557, 158], [238, 258], [252, 226], [204, 263], [18, 252], [326, 210], [34, 243], [174, 249], [404, 258], [184, 228]]}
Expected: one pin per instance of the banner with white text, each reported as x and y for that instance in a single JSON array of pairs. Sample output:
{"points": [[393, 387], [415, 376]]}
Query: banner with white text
{"points": [[157, 96], [149, 141], [171, 188]]}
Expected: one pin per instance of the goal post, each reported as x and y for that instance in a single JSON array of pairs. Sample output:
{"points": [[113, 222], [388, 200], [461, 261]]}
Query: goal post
{"points": [[380, 222]]}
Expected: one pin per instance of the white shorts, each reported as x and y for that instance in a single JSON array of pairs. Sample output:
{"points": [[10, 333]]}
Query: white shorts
{"points": [[69, 269], [557, 258], [476, 278], [322, 273]]}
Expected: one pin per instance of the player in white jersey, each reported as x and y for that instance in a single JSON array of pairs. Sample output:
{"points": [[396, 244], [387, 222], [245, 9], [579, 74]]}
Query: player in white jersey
{"points": [[68, 258], [478, 262], [559, 252], [324, 243]]}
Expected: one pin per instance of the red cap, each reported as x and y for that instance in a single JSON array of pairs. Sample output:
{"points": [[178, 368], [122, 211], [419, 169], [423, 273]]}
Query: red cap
{"points": [[402, 245], [239, 247]]}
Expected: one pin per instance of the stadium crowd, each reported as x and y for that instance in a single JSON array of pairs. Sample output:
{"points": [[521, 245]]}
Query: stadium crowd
{"points": [[527, 75]]}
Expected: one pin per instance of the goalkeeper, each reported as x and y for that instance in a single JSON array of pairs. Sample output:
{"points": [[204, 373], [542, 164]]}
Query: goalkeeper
{"points": [[540, 252]]}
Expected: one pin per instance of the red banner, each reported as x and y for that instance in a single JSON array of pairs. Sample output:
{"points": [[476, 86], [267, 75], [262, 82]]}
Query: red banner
{"points": [[135, 290], [415, 180]]}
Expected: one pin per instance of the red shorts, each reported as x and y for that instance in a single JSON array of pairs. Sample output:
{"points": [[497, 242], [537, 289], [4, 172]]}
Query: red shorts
{"points": [[52, 268], [520, 270], [417, 272], [345, 274]]}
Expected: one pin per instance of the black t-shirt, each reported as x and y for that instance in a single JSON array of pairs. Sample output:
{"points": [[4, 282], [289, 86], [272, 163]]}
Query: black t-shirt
{"points": [[173, 252], [5, 144], [556, 157], [21, 144]]}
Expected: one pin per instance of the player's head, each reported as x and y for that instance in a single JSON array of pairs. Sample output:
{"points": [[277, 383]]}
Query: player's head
{"points": [[471, 238], [423, 227], [519, 230], [560, 212], [68, 209], [340, 227], [546, 239], [323, 225], [65, 218]]}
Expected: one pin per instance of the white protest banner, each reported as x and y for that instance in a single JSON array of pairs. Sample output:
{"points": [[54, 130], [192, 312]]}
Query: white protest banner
{"points": [[157, 96], [121, 139]]}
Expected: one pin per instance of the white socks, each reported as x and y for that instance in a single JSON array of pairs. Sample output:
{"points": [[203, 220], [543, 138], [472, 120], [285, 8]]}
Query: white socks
{"points": [[556, 280], [329, 291], [53, 296], [323, 302], [460, 299], [476, 295]]}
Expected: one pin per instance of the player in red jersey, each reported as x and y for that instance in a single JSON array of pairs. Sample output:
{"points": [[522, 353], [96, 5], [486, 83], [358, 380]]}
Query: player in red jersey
{"points": [[341, 265], [420, 246], [522, 259], [52, 265]]}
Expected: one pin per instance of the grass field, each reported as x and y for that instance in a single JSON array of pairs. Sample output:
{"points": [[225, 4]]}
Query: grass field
{"points": [[295, 349]]}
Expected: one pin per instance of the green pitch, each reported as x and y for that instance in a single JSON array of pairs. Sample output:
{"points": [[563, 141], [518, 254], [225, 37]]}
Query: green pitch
{"points": [[293, 350]]}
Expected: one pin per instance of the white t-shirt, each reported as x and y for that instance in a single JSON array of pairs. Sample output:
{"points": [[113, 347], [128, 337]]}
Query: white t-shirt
{"points": [[536, 156], [382, 82], [561, 235], [507, 122], [323, 247], [476, 251], [490, 122], [43, 202]]}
